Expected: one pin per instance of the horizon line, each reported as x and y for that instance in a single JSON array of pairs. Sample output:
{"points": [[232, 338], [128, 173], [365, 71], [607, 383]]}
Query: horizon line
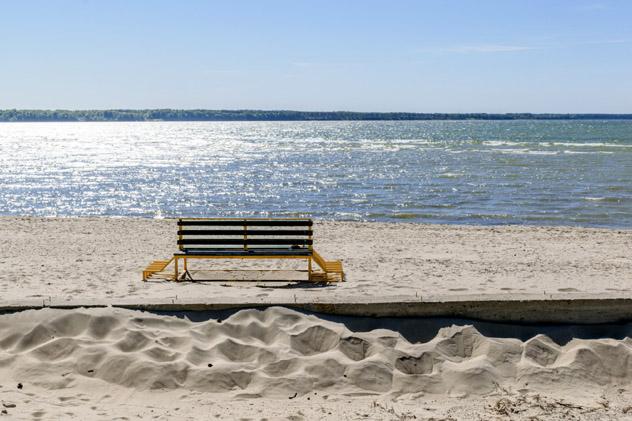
{"points": [[201, 114], [287, 110]]}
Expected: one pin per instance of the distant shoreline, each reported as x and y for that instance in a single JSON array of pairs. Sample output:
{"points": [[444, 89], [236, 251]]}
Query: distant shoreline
{"points": [[270, 115]]}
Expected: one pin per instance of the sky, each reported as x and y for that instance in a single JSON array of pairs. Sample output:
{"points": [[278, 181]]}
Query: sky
{"points": [[398, 55]]}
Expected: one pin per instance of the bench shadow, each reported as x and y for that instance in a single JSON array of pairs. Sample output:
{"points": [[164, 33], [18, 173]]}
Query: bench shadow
{"points": [[272, 279], [261, 284], [257, 283], [299, 285]]}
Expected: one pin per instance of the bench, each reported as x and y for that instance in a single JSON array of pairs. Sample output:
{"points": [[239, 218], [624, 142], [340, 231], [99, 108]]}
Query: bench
{"points": [[246, 238]]}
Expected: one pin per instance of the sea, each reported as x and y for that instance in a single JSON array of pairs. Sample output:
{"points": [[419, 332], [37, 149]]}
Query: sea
{"points": [[527, 172]]}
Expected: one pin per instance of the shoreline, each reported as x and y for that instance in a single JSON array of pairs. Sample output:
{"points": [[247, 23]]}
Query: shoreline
{"points": [[318, 220]]}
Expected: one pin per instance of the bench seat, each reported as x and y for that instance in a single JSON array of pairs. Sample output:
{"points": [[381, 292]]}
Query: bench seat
{"points": [[245, 253]]}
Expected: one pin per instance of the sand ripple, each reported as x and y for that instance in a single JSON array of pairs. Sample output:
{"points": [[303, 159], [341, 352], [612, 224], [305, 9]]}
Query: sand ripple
{"points": [[279, 352]]}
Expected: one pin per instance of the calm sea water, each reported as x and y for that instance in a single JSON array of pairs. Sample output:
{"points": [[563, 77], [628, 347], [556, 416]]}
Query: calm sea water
{"points": [[475, 172]]}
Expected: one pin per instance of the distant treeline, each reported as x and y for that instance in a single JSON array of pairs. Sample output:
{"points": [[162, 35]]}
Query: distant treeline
{"points": [[262, 115]]}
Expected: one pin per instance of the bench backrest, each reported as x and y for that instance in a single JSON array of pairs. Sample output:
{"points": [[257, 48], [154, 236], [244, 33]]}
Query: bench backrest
{"points": [[244, 234]]}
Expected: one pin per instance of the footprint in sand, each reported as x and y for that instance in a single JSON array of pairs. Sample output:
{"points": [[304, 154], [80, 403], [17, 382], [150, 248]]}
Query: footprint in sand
{"points": [[457, 289], [568, 290]]}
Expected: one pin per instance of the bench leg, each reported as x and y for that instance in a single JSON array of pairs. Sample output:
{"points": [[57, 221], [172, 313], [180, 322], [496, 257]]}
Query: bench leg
{"points": [[186, 275], [175, 275], [309, 268]]}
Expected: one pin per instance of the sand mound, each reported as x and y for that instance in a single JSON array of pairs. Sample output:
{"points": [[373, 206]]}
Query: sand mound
{"points": [[280, 352]]}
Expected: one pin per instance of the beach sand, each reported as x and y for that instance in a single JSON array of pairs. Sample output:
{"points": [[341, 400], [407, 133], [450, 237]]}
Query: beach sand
{"points": [[280, 364], [63, 259], [113, 363]]}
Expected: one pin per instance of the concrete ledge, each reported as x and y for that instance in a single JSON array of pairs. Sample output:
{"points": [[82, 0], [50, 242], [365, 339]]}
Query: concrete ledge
{"points": [[562, 308]]}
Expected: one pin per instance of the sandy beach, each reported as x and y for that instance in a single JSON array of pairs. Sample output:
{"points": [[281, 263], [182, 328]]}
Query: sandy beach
{"points": [[64, 259], [113, 363]]}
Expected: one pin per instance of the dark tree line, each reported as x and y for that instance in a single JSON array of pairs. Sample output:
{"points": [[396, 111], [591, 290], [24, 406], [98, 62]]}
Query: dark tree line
{"points": [[263, 115]]}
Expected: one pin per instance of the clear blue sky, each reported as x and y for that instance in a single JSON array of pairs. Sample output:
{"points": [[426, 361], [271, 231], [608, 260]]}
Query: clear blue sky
{"points": [[439, 56]]}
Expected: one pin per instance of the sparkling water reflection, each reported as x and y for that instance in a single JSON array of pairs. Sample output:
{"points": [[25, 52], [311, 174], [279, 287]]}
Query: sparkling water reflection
{"points": [[481, 172]]}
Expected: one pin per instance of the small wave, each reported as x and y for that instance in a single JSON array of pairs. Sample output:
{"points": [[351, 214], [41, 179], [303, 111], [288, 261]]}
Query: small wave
{"points": [[405, 215], [484, 216], [497, 143], [450, 175], [409, 216], [510, 151], [580, 152], [591, 145], [603, 199], [440, 205], [588, 153], [504, 143]]}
